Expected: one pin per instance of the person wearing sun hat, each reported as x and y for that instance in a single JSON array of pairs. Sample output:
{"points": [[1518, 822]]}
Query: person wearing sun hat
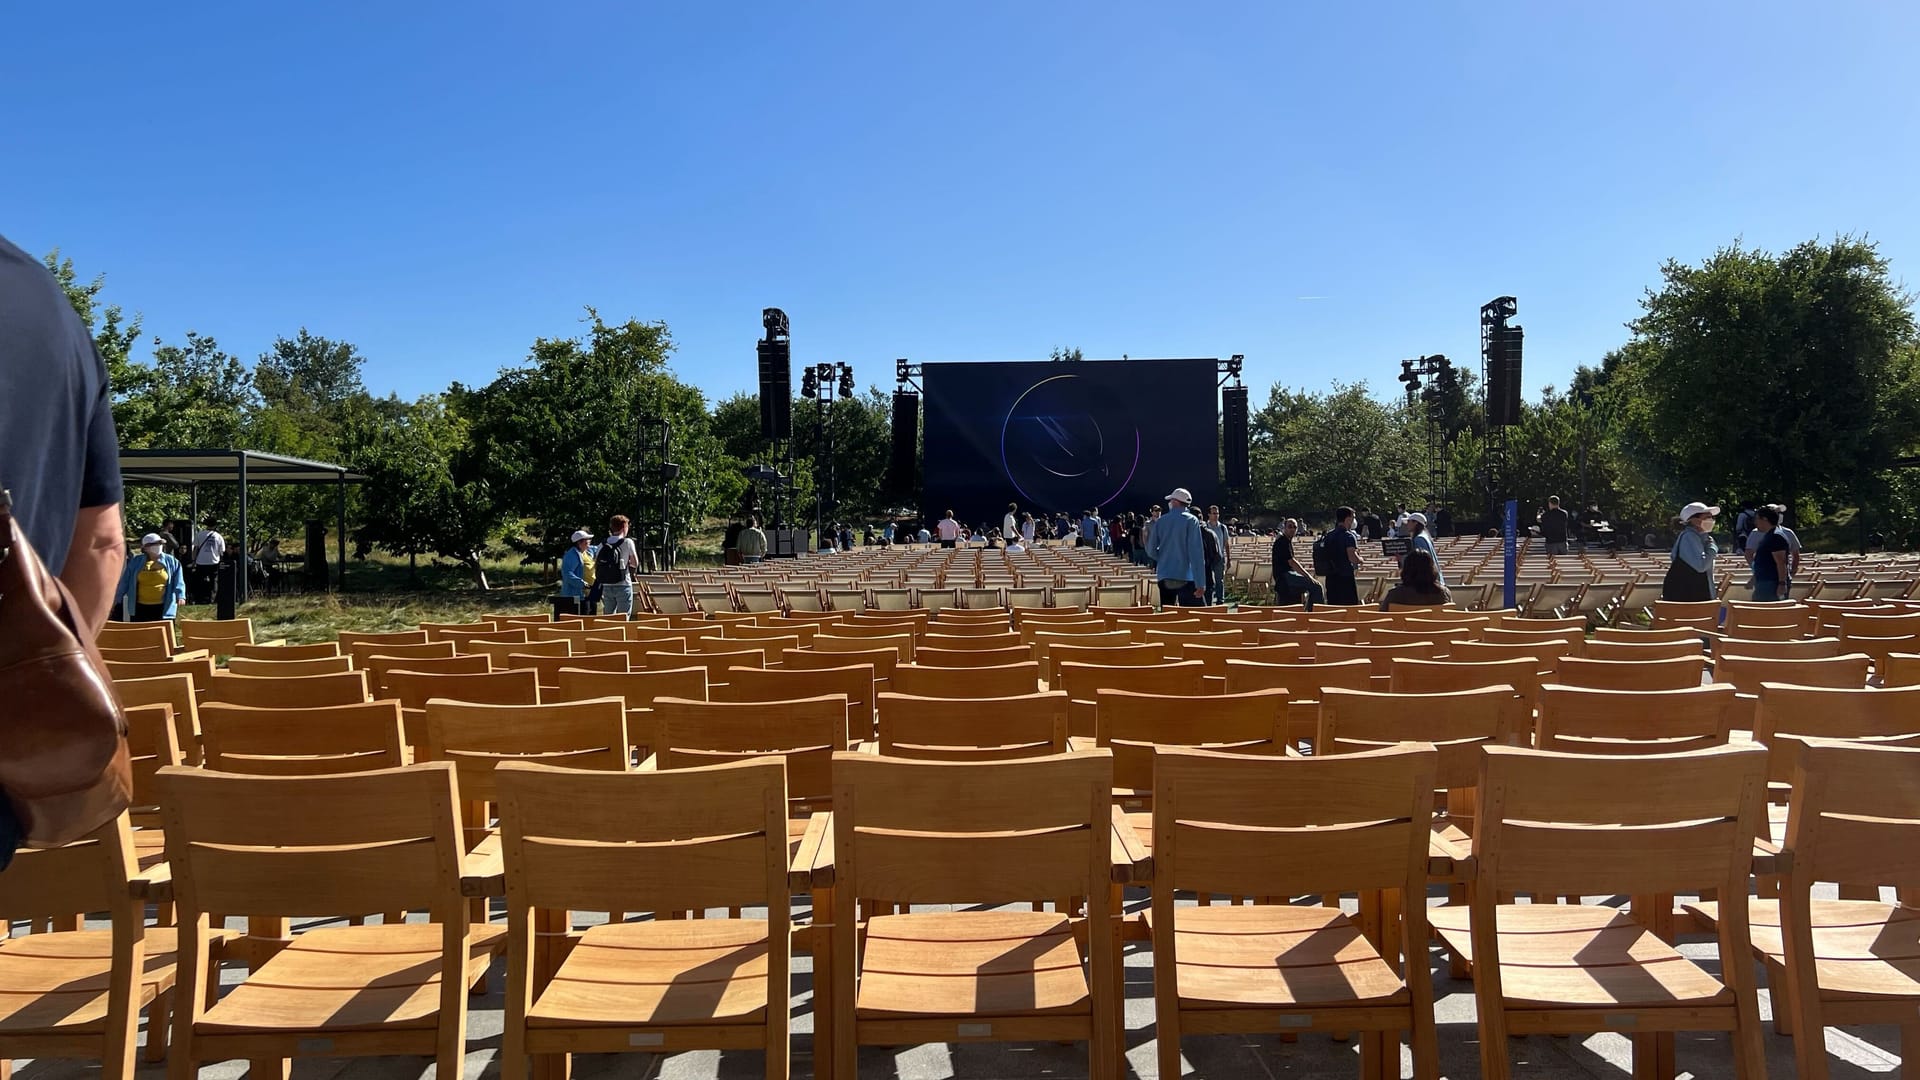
{"points": [[1178, 553], [1690, 577], [574, 564], [153, 580]]}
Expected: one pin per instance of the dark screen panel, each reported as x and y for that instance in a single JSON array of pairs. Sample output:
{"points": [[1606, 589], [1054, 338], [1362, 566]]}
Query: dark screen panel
{"points": [[1113, 434]]}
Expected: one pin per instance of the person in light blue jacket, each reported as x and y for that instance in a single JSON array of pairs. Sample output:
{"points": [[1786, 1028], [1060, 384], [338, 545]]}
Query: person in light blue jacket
{"points": [[1418, 540], [1179, 554], [154, 582], [573, 566]]}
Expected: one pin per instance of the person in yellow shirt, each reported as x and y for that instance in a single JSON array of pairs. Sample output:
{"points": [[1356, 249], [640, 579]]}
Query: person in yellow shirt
{"points": [[153, 581]]}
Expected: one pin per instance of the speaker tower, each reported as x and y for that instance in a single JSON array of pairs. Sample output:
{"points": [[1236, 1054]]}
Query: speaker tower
{"points": [[776, 377], [902, 474], [1233, 438]]}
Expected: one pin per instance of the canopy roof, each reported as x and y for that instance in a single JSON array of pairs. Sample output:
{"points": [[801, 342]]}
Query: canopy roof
{"points": [[188, 467]]}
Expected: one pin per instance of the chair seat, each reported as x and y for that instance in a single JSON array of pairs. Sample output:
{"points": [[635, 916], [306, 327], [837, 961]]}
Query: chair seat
{"points": [[1862, 949], [58, 981], [1566, 956], [1277, 955], [679, 971], [971, 963], [351, 978]]}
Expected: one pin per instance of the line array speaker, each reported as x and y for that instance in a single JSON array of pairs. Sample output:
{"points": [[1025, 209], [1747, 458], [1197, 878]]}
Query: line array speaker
{"points": [[776, 390], [901, 471], [1233, 437], [1504, 380]]}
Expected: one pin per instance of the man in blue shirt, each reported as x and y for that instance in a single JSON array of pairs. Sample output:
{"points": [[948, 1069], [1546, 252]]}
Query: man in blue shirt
{"points": [[1178, 552], [1344, 548], [1089, 530], [1769, 555]]}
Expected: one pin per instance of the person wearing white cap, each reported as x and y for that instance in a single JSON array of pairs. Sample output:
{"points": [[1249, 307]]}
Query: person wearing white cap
{"points": [[1690, 576], [1418, 540], [1178, 552], [154, 582], [573, 567]]}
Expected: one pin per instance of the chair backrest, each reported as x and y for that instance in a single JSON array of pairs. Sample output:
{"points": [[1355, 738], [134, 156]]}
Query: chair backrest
{"points": [[1693, 819], [805, 732], [296, 692], [1008, 680], [1704, 614], [686, 840], [576, 734], [363, 652], [416, 688], [945, 832], [1083, 681], [1132, 724], [1582, 720], [1104, 655], [151, 653], [1676, 674], [547, 668], [1547, 654], [342, 844], [1627, 635], [152, 745], [1235, 825], [927, 656], [281, 669], [1746, 673], [1381, 656], [1852, 804], [1506, 634], [1742, 616], [500, 651], [1448, 676], [465, 641], [1900, 669], [349, 638], [1213, 658], [215, 635], [572, 635], [718, 664], [753, 632], [973, 729], [176, 691], [854, 682], [968, 640], [315, 651], [1301, 681], [197, 664], [1636, 652], [1457, 724], [772, 646], [1889, 716], [901, 644], [381, 668], [882, 661], [303, 742], [1444, 636], [136, 636], [92, 874]]}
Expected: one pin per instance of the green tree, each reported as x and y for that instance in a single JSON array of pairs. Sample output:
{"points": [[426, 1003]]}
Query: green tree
{"points": [[1313, 452], [113, 331], [861, 434], [422, 495], [1788, 375]]}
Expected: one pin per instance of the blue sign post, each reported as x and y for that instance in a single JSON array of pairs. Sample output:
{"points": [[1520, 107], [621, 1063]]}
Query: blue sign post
{"points": [[1510, 530]]}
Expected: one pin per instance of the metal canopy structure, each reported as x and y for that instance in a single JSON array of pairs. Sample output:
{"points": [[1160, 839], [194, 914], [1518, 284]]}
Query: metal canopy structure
{"points": [[191, 468]]}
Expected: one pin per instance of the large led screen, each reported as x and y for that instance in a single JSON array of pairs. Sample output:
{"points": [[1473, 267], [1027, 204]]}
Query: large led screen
{"points": [[1052, 436]]}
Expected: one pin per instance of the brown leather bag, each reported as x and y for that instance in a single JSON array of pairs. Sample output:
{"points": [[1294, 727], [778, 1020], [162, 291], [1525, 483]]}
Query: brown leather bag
{"points": [[63, 736]]}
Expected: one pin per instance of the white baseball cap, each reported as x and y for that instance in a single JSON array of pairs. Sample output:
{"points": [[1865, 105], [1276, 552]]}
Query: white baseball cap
{"points": [[1181, 495], [151, 539], [579, 535], [1419, 517], [1695, 509]]}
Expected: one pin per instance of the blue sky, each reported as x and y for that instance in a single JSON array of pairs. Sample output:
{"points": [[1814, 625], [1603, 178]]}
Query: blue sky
{"points": [[1326, 188]]}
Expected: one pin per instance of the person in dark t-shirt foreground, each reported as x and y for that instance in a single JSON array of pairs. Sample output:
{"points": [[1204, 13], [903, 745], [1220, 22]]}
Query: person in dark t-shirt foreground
{"points": [[1769, 555], [1553, 526]]}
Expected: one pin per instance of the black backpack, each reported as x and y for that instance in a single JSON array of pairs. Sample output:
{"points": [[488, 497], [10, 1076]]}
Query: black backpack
{"points": [[608, 566], [1324, 555]]}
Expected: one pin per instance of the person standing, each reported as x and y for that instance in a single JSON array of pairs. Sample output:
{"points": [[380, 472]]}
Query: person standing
{"points": [[1010, 521], [752, 542], [1793, 551], [209, 547], [1178, 553], [1026, 529], [1288, 572], [1553, 526], [1341, 547], [1217, 571], [1418, 540], [1089, 530], [1122, 537], [574, 564], [949, 531], [616, 562], [1770, 554], [1690, 575], [1144, 545], [153, 581]]}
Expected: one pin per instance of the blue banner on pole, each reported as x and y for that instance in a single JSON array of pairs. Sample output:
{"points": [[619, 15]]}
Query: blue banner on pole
{"points": [[1510, 531]]}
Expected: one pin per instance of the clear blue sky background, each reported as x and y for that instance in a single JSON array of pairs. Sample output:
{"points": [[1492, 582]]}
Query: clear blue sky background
{"points": [[1326, 188]]}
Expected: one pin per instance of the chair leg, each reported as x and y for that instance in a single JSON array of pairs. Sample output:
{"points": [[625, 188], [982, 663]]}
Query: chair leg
{"points": [[159, 1015], [269, 1069]]}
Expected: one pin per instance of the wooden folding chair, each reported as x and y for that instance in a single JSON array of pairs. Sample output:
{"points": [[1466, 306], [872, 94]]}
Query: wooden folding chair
{"points": [[1747, 674], [1230, 825], [285, 669], [297, 692], [1304, 683], [303, 742], [380, 668], [1855, 817], [74, 993], [135, 654], [662, 842], [340, 845], [923, 832], [547, 668], [316, 651], [638, 689], [177, 693], [500, 652], [1581, 720], [973, 729], [1007, 680], [882, 661], [1629, 636], [217, 636], [805, 732], [854, 681], [1381, 656], [1695, 615], [349, 638], [1451, 676], [148, 635], [197, 663], [1645, 826], [1083, 682], [1675, 674], [363, 652]]}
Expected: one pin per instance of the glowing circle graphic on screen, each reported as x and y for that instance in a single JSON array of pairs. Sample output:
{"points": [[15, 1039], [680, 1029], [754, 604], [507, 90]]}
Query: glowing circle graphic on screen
{"points": [[1069, 444]]}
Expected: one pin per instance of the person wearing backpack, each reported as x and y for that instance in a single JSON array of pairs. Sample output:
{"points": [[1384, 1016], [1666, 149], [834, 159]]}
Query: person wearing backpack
{"points": [[613, 568], [1336, 557]]}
